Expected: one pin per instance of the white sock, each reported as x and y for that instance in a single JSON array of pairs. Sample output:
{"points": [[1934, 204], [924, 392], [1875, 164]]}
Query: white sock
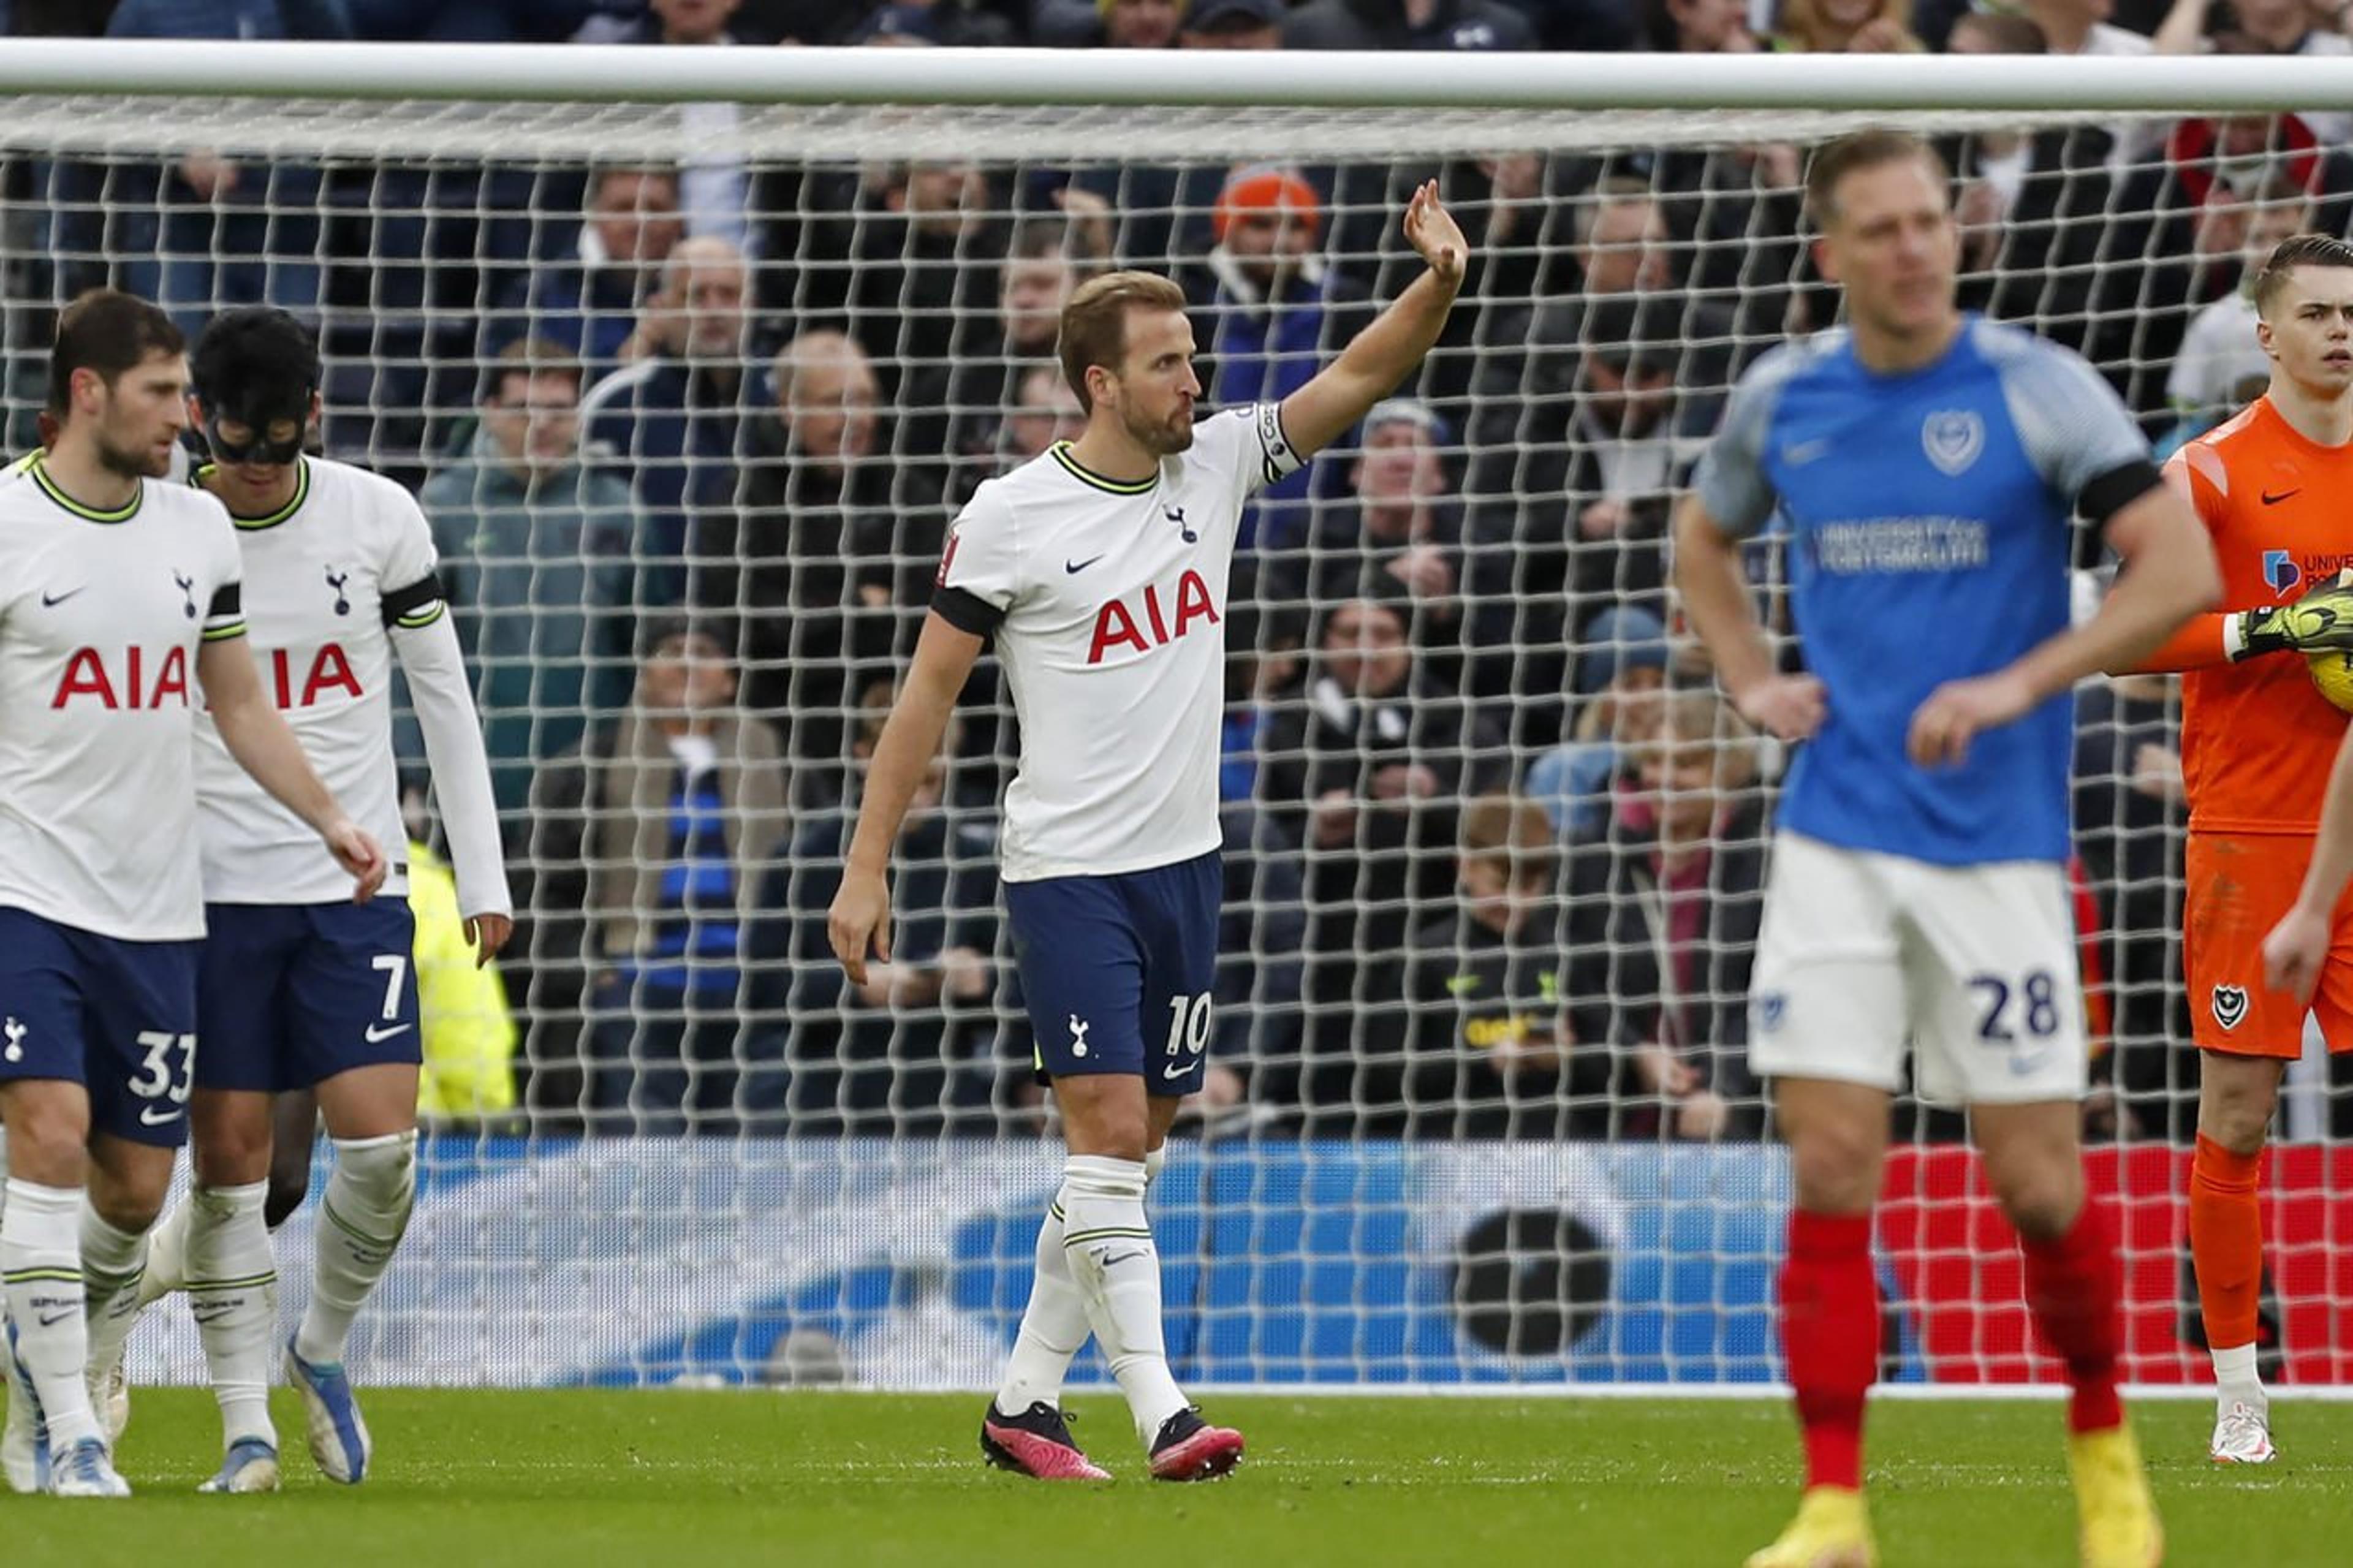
{"points": [[2236, 1381], [1054, 1323], [360, 1217], [40, 1271], [232, 1296], [1053, 1326], [167, 1257], [1109, 1245], [112, 1262]]}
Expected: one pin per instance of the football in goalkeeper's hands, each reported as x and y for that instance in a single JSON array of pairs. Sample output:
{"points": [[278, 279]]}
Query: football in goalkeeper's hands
{"points": [[2332, 668], [2332, 672]]}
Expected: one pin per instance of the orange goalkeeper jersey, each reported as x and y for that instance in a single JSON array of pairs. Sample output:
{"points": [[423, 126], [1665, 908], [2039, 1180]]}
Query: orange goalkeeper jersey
{"points": [[2257, 738]]}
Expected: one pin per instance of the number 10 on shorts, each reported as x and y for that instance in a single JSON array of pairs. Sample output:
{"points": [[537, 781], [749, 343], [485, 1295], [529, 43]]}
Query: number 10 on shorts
{"points": [[1188, 1025]]}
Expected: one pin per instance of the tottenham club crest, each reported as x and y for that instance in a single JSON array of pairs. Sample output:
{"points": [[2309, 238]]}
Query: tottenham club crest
{"points": [[2230, 1006], [1772, 1007], [1953, 439]]}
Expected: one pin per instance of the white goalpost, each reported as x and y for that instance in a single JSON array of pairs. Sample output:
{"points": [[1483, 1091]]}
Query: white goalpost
{"points": [[712, 343]]}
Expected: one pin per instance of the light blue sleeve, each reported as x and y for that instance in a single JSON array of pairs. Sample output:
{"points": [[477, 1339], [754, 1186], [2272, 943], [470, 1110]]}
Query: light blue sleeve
{"points": [[2070, 420], [1731, 482]]}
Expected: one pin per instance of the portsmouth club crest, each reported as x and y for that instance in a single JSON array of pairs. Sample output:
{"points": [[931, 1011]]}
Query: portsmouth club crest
{"points": [[1952, 438], [2230, 1006], [2281, 573]]}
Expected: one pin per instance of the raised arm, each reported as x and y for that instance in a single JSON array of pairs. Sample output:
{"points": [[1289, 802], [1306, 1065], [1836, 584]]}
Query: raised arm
{"points": [[859, 921], [257, 737], [1382, 355]]}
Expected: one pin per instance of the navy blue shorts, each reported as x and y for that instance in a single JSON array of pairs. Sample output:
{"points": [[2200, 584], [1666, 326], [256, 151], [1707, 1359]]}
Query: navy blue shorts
{"points": [[117, 1018], [292, 995], [1118, 972]]}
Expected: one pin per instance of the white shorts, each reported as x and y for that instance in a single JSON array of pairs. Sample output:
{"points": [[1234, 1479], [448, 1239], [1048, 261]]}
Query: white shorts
{"points": [[1973, 965]]}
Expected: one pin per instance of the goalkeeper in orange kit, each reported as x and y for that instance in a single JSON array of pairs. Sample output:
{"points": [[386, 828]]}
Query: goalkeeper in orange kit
{"points": [[2256, 739]]}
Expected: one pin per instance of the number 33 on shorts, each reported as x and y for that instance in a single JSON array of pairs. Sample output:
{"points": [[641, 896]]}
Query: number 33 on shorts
{"points": [[162, 1076]]}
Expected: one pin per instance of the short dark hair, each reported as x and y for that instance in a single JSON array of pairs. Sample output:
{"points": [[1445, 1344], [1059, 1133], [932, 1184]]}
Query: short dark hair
{"points": [[626, 170], [109, 331], [253, 346], [2297, 251], [658, 629], [1854, 152], [528, 357]]}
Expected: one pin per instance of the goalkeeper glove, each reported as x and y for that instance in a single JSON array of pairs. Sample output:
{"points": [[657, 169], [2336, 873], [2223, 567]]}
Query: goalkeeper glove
{"points": [[2320, 622]]}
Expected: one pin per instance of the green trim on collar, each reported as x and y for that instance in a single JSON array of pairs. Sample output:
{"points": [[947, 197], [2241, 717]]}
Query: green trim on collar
{"points": [[250, 525], [40, 475], [1084, 475]]}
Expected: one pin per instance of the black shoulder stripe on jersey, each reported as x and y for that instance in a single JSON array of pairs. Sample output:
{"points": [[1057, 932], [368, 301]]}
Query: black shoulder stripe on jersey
{"points": [[967, 611], [228, 599], [2111, 492], [399, 602]]}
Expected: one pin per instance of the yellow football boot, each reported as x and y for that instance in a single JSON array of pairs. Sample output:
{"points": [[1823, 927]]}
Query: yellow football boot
{"points": [[2119, 1526], [1832, 1530]]}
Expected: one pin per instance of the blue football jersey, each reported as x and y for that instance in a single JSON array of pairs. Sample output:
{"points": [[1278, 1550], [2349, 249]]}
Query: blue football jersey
{"points": [[1929, 518]]}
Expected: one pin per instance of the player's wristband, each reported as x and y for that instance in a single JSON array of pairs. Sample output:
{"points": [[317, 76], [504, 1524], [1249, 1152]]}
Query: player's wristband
{"points": [[2257, 632]]}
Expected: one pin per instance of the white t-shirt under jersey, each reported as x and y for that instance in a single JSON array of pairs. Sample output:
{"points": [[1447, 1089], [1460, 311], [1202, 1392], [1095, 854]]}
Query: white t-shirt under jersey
{"points": [[1114, 642], [102, 614], [316, 575]]}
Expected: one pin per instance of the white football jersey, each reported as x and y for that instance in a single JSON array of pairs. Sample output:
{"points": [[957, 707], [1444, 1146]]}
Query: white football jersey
{"points": [[102, 614], [316, 578], [1113, 643]]}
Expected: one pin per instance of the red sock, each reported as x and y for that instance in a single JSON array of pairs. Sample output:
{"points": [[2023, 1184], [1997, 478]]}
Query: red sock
{"points": [[1829, 1333], [2226, 1242], [2073, 1284]]}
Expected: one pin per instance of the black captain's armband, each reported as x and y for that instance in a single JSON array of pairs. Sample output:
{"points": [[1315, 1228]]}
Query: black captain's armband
{"points": [[416, 606], [967, 611], [2117, 488], [2102, 498]]}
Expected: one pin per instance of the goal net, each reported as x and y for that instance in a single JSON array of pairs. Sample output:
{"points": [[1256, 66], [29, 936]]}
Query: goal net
{"points": [[689, 390]]}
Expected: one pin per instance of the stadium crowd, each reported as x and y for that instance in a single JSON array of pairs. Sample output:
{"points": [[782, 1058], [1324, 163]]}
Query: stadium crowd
{"points": [[690, 437]]}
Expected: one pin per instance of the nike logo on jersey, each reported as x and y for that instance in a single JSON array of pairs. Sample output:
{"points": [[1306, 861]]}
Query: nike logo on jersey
{"points": [[157, 1116], [1109, 1260], [51, 1320], [1804, 452], [51, 601], [2271, 499], [1076, 566], [377, 1036]]}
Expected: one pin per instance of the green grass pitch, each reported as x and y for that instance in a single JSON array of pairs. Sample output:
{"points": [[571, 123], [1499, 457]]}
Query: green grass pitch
{"points": [[679, 1479]]}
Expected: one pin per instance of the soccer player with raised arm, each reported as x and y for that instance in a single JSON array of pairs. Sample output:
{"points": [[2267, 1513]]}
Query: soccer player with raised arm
{"points": [[297, 993], [1099, 569], [1927, 465], [119, 604], [2270, 485]]}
